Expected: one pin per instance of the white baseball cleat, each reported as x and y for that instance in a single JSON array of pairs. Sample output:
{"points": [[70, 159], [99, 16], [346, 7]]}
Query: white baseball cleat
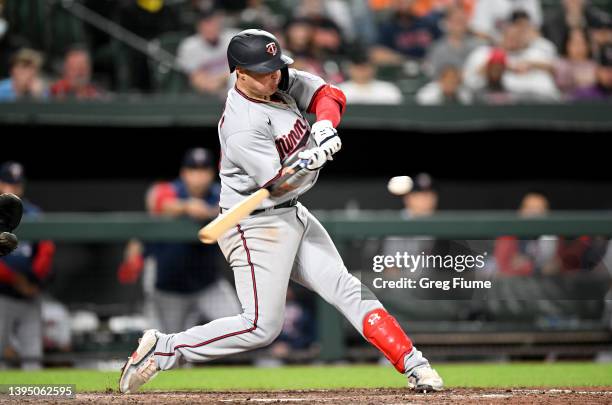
{"points": [[425, 379], [140, 366]]}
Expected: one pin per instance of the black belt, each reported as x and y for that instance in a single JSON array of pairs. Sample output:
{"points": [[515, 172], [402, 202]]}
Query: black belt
{"points": [[286, 204]]}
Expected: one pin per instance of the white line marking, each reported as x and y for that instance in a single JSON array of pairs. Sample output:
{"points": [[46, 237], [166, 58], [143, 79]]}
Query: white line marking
{"points": [[275, 399]]}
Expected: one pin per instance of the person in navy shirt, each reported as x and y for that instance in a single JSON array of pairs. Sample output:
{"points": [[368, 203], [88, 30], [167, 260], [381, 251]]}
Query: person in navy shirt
{"points": [[187, 284], [407, 34]]}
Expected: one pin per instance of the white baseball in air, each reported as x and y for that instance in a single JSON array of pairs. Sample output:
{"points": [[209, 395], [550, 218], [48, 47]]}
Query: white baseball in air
{"points": [[400, 185]]}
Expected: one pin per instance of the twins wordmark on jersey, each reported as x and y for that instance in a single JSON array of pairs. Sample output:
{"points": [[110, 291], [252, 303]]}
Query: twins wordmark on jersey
{"points": [[258, 137], [297, 138]]}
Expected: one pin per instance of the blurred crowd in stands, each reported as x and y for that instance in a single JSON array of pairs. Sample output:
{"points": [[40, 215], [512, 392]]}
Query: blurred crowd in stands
{"points": [[545, 255], [378, 51]]}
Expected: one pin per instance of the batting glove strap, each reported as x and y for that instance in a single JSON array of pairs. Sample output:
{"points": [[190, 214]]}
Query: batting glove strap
{"points": [[316, 157]]}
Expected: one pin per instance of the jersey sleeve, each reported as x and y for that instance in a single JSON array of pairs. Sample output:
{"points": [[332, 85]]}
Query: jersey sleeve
{"points": [[42, 261], [7, 274], [255, 152], [158, 195], [302, 87]]}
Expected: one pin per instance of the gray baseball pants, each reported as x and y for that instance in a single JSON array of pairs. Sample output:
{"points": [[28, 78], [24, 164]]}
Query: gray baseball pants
{"points": [[265, 251]]}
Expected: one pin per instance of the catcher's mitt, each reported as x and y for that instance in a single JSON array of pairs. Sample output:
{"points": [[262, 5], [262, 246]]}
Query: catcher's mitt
{"points": [[11, 210]]}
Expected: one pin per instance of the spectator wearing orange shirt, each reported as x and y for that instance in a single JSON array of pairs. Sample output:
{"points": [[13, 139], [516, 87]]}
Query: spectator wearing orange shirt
{"points": [[424, 7]]}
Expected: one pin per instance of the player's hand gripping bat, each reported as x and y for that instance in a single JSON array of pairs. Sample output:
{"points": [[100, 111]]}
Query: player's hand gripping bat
{"points": [[211, 232]]}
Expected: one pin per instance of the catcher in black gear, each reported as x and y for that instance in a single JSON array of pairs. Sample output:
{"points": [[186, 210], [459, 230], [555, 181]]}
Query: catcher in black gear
{"points": [[11, 210]]}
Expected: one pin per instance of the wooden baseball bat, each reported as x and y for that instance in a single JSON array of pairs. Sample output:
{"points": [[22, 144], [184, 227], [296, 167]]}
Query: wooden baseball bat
{"points": [[224, 222]]}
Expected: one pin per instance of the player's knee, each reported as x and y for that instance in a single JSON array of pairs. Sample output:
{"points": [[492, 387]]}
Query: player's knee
{"points": [[266, 338], [249, 319], [267, 332]]}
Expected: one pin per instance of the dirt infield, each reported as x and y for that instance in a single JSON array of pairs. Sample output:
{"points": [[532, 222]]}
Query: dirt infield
{"points": [[353, 396]]}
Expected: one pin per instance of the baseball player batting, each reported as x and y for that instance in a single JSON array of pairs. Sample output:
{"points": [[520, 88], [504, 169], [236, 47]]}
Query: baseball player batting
{"points": [[263, 129]]}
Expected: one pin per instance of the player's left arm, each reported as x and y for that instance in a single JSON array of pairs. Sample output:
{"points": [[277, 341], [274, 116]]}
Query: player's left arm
{"points": [[324, 100], [42, 261]]}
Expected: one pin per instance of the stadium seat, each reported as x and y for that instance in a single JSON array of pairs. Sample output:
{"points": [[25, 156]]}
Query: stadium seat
{"points": [[165, 79]]}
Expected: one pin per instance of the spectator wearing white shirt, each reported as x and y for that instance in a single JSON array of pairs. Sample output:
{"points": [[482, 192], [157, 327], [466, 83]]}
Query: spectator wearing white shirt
{"points": [[528, 70], [532, 34], [491, 16], [364, 88], [447, 89], [204, 55]]}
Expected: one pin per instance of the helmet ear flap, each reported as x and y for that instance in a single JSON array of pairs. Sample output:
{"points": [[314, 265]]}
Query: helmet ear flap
{"points": [[284, 82], [230, 62]]}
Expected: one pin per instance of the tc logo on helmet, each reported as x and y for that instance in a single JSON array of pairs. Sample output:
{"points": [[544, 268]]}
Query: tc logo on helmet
{"points": [[272, 49]]}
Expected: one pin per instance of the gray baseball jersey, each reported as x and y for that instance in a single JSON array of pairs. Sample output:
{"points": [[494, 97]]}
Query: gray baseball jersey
{"points": [[258, 137], [268, 249]]}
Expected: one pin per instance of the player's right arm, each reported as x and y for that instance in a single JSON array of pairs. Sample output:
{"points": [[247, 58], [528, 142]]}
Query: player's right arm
{"points": [[326, 101], [162, 200], [313, 95]]}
